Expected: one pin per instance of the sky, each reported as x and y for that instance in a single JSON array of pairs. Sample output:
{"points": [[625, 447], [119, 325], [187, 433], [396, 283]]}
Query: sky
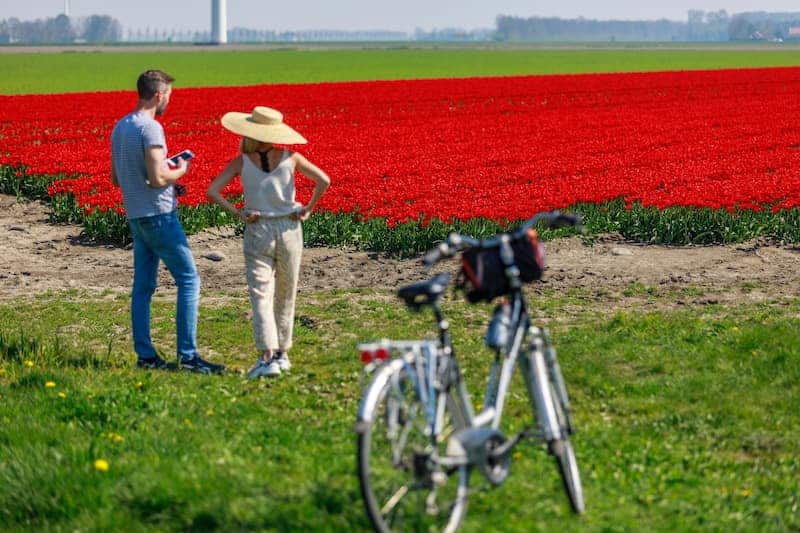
{"points": [[399, 15]]}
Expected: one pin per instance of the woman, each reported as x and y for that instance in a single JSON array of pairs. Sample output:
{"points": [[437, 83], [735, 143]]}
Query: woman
{"points": [[273, 236]]}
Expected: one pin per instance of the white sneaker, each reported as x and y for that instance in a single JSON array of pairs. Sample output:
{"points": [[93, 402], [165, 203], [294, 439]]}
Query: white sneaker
{"points": [[273, 369], [264, 368], [283, 361]]}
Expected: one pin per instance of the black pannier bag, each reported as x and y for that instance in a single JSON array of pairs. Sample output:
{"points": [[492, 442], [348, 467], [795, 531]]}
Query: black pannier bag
{"points": [[483, 275]]}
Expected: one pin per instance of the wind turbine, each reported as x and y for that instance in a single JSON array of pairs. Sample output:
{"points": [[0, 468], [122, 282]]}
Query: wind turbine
{"points": [[219, 22]]}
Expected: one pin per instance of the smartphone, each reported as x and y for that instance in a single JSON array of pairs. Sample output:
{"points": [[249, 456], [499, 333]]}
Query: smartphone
{"points": [[186, 154]]}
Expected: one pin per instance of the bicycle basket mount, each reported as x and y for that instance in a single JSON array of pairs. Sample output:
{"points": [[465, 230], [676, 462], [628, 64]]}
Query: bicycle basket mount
{"points": [[483, 275]]}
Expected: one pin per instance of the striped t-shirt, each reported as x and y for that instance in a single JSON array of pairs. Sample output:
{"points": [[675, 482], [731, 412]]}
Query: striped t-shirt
{"points": [[131, 135]]}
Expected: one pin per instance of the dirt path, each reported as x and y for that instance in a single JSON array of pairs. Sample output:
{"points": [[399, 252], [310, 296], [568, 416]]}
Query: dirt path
{"points": [[37, 256]]}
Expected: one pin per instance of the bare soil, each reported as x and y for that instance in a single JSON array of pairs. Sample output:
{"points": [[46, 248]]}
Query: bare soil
{"points": [[37, 256]]}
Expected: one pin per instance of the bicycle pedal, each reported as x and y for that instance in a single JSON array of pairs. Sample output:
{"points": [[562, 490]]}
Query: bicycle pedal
{"points": [[511, 443]]}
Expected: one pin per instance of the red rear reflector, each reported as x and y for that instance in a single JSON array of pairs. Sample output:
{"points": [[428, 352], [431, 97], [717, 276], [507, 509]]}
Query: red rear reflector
{"points": [[371, 355]]}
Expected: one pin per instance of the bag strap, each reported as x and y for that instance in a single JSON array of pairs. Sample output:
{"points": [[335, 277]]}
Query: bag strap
{"points": [[470, 273]]}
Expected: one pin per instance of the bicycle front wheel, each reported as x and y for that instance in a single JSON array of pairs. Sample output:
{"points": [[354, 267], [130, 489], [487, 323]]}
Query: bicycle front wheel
{"points": [[562, 450], [551, 414], [403, 484]]}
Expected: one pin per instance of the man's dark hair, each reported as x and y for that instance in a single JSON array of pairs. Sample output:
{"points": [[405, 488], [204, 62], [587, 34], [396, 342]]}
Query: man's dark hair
{"points": [[152, 81]]}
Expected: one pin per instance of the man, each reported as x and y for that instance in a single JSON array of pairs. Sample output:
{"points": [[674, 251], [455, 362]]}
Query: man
{"points": [[139, 167]]}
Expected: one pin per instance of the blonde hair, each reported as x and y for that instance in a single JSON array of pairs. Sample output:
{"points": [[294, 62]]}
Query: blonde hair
{"points": [[249, 146]]}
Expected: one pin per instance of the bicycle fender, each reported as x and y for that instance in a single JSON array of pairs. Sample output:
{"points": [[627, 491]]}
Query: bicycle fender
{"points": [[366, 411]]}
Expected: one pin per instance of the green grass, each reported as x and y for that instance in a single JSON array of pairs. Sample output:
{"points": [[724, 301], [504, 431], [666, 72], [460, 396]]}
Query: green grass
{"points": [[92, 71], [688, 419]]}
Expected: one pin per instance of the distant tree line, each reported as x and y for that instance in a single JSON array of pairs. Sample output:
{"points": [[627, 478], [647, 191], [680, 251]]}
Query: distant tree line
{"points": [[61, 29], [761, 25], [699, 26]]}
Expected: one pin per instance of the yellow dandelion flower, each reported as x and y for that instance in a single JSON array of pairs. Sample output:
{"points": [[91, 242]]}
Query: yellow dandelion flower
{"points": [[29, 363], [101, 465], [62, 394], [745, 492], [50, 384], [2, 371], [139, 384], [115, 437], [187, 422]]}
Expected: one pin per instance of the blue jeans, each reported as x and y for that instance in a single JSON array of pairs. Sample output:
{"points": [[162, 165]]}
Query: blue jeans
{"points": [[155, 238]]}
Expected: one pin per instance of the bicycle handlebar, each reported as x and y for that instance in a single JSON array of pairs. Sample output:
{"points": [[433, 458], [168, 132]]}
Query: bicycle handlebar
{"points": [[456, 242]]}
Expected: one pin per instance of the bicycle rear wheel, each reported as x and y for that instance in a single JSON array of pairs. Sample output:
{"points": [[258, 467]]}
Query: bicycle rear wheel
{"points": [[403, 485]]}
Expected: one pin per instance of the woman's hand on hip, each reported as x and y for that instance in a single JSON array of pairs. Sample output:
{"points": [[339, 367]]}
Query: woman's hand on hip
{"points": [[301, 214]]}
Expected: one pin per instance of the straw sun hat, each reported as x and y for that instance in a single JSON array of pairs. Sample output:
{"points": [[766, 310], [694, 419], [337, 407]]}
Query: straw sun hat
{"points": [[263, 124]]}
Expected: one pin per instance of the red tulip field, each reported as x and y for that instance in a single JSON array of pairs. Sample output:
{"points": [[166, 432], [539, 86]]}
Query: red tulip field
{"points": [[716, 146]]}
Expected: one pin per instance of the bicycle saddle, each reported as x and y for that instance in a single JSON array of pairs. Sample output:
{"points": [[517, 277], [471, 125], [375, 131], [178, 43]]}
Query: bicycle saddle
{"points": [[424, 293]]}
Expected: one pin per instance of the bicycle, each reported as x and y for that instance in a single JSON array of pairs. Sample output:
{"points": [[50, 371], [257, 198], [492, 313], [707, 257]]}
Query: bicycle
{"points": [[419, 438]]}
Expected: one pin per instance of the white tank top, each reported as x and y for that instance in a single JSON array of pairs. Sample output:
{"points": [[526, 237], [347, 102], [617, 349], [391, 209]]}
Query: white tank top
{"points": [[270, 193]]}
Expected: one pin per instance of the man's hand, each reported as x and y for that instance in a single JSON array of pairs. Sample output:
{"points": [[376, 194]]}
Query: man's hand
{"points": [[159, 172], [183, 165]]}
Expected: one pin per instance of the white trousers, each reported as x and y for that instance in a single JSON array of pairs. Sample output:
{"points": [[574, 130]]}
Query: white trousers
{"points": [[273, 248]]}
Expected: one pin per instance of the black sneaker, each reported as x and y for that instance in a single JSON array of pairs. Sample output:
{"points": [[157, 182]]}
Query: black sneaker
{"points": [[152, 363], [196, 364]]}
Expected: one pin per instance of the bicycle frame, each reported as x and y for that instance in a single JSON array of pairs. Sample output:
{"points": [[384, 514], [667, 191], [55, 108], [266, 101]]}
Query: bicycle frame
{"points": [[541, 365], [537, 363], [433, 369], [503, 367]]}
